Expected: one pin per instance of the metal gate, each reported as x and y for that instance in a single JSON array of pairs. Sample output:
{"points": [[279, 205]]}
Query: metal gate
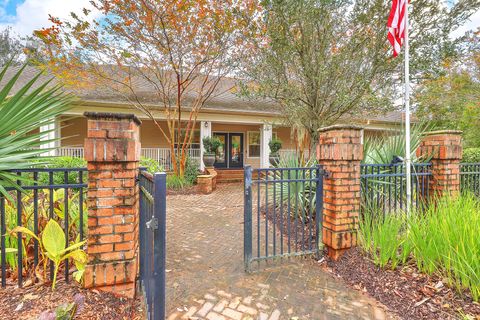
{"points": [[153, 194], [282, 213]]}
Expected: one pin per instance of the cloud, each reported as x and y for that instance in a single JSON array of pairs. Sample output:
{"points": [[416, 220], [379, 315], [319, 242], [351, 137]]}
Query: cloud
{"points": [[33, 14]]}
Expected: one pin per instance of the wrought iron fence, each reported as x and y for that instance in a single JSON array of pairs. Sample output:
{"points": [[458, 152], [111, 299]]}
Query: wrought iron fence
{"points": [[470, 178], [282, 212], [44, 194], [153, 191], [383, 186]]}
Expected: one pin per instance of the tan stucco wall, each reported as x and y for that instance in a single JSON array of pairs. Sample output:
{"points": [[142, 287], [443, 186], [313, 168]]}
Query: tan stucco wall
{"points": [[75, 129]]}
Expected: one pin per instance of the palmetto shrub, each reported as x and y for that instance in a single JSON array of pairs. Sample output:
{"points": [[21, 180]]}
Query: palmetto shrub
{"points": [[300, 194], [22, 113]]}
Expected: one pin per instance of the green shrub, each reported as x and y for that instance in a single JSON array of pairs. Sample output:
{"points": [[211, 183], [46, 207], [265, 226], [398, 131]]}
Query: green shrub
{"points": [[275, 145], [175, 182], [151, 165], [211, 144], [443, 239], [381, 236], [471, 155], [191, 171], [59, 177]]}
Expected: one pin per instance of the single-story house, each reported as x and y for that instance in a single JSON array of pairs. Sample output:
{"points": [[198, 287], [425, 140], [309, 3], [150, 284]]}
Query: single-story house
{"points": [[245, 127]]}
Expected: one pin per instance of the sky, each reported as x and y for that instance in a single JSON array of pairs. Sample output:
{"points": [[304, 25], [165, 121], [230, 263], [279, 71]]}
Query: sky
{"points": [[24, 16]]}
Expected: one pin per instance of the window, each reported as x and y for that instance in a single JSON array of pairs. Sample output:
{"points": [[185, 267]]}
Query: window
{"points": [[254, 144]]}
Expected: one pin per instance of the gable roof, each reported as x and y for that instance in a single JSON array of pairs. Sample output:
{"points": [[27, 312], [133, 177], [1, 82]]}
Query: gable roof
{"points": [[224, 100]]}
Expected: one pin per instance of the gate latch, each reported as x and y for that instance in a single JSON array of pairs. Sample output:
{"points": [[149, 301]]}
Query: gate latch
{"points": [[152, 224]]}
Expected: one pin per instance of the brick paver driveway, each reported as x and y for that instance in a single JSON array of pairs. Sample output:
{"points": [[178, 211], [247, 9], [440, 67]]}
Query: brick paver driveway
{"points": [[206, 280]]}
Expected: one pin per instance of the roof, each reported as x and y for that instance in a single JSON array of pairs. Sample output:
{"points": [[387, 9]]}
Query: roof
{"points": [[224, 98]]}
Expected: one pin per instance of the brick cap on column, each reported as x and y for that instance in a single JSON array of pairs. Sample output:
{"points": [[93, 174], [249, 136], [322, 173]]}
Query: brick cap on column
{"points": [[340, 127], [112, 116], [443, 132]]}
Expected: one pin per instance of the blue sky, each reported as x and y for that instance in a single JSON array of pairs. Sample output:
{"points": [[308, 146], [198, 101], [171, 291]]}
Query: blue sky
{"points": [[24, 16]]}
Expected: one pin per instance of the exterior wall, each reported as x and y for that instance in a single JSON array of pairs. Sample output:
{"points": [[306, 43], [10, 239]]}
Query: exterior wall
{"points": [[75, 129], [284, 134], [150, 135]]}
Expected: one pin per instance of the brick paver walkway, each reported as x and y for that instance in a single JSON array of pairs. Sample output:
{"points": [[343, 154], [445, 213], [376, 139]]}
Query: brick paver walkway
{"points": [[206, 280]]}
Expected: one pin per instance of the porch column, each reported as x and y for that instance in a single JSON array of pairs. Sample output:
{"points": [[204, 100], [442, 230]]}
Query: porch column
{"points": [[52, 131], [205, 131], [265, 137]]}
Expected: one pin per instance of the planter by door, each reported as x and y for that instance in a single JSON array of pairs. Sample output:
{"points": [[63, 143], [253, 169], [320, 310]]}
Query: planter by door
{"points": [[230, 153], [208, 159]]}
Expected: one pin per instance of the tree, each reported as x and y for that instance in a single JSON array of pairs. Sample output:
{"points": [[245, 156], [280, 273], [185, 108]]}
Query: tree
{"points": [[180, 50], [451, 100], [11, 47], [326, 60]]}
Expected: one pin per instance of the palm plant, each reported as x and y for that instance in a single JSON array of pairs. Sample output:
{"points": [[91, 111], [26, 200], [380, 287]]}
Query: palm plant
{"points": [[387, 152], [22, 114], [301, 195], [383, 150]]}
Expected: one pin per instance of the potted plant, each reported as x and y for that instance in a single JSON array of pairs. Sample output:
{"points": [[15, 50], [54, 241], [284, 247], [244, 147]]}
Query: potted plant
{"points": [[275, 145], [211, 145]]}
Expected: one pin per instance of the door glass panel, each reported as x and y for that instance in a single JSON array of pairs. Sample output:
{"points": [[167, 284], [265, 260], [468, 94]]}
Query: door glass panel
{"points": [[220, 156], [236, 158]]}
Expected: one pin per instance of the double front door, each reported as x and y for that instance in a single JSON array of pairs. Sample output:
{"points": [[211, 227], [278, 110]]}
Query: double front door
{"points": [[230, 153]]}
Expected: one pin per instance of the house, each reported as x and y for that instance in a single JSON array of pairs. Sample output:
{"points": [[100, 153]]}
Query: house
{"points": [[245, 127]]}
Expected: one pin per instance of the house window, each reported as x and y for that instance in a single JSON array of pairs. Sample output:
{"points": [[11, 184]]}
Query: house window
{"points": [[254, 144]]}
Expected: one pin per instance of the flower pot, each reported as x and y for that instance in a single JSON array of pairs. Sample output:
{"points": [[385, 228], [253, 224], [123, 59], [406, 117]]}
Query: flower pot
{"points": [[208, 159], [274, 159]]}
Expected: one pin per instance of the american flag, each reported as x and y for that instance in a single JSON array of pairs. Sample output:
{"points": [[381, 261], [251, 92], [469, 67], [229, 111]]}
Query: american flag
{"points": [[396, 25]]}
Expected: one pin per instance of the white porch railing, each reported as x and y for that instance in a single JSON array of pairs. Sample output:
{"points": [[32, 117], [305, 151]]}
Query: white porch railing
{"points": [[162, 155], [76, 152]]}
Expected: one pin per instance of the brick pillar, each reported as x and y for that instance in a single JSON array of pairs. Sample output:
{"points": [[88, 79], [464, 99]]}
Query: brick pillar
{"points": [[340, 151], [445, 149], [112, 150]]}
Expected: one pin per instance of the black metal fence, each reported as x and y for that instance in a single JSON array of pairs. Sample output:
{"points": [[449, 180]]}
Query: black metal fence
{"points": [[153, 192], [383, 186], [282, 212], [45, 194], [470, 178]]}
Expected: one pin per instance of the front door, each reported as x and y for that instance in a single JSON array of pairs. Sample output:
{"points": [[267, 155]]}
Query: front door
{"points": [[230, 153]]}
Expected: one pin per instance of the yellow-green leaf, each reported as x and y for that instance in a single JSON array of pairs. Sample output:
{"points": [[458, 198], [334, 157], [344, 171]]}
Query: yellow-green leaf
{"points": [[24, 230], [77, 255], [53, 238]]}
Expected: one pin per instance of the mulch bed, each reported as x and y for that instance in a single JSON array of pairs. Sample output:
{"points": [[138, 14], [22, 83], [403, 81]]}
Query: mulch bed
{"points": [[30, 302], [405, 291]]}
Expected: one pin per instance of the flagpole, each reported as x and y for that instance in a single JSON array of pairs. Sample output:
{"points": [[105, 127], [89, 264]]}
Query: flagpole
{"points": [[407, 113]]}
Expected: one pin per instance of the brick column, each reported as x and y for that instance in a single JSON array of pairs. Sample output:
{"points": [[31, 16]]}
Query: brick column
{"points": [[445, 149], [112, 150], [340, 151]]}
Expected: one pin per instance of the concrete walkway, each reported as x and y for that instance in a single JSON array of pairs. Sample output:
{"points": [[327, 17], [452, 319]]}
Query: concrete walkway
{"points": [[206, 280]]}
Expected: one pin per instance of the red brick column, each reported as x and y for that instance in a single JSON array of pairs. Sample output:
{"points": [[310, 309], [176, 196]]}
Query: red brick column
{"points": [[112, 150], [340, 151], [445, 149]]}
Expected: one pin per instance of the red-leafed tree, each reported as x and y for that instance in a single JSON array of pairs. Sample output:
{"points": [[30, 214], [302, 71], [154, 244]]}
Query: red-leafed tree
{"points": [[179, 50]]}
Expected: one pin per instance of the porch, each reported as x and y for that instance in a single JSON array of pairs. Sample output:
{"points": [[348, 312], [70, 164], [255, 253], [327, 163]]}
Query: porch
{"points": [[242, 143]]}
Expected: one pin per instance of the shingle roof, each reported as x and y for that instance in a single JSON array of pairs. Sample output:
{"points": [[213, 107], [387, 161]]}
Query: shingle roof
{"points": [[225, 98]]}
